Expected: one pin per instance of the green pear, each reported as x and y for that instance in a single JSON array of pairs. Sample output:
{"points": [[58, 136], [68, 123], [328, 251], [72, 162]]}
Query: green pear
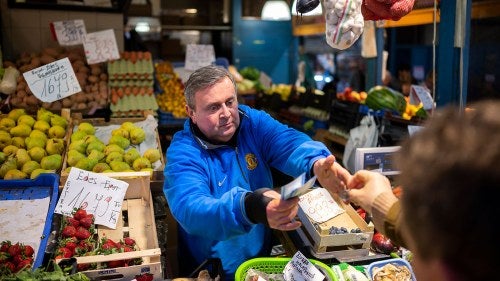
{"points": [[141, 163], [74, 156], [86, 164], [14, 114], [9, 164], [90, 138], [147, 170], [42, 125], [26, 119], [10, 150], [37, 153], [113, 148], [87, 128], [15, 174], [51, 162], [101, 167], [20, 142], [152, 154], [55, 146], [6, 124], [34, 142], [2, 157], [44, 115], [30, 166], [38, 134], [95, 145], [128, 126], [78, 145], [5, 139], [119, 166], [22, 157], [57, 120], [114, 156], [131, 155], [78, 135], [120, 141], [97, 155], [137, 135], [56, 132], [120, 132], [37, 172], [21, 130]]}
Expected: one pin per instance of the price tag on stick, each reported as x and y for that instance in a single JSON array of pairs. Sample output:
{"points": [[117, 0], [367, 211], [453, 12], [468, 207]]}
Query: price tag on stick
{"points": [[101, 46], [53, 81], [98, 194]]}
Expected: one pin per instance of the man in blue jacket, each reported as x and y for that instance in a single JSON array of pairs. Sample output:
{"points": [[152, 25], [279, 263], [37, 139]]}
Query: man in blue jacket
{"points": [[218, 175]]}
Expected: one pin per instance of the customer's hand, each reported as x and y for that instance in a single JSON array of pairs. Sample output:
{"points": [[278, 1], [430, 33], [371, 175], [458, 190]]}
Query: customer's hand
{"points": [[281, 213], [331, 175], [365, 186]]}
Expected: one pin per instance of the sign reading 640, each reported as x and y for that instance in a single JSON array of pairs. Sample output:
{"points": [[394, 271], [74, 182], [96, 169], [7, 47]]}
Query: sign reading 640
{"points": [[53, 81]]}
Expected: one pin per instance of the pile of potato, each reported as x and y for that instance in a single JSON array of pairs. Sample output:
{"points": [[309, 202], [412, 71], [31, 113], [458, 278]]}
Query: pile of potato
{"points": [[93, 80]]}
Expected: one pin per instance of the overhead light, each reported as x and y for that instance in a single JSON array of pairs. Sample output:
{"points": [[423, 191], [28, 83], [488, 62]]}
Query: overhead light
{"points": [[276, 10], [142, 27], [316, 12]]}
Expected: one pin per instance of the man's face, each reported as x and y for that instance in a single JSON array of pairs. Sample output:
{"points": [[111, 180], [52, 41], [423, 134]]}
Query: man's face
{"points": [[216, 111]]}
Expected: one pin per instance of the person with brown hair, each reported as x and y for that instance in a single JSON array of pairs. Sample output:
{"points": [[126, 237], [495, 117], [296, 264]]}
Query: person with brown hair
{"points": [[450, 177]]}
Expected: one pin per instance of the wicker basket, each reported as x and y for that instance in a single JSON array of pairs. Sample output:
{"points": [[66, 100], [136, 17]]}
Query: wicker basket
{"points": [[276, 266]]}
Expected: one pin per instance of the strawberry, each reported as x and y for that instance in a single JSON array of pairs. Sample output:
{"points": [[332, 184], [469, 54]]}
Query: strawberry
{"points": [[72, 221], [64, 253], [4, 247], [117, 263], [9, 266], [68, 231], [82, 266], [24, 263], [127, 248], [86, 245], [70, 243], [129, 241], [82, 233], [144, 277], [28, 251], [79, 214], [14, 250], [87, 221]]}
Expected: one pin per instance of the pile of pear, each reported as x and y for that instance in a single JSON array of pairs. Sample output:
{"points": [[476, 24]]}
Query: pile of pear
{"points": [[31, 145], [120, 154]]}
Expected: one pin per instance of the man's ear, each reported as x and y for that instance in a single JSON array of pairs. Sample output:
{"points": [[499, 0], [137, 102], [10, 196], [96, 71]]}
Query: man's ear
{"points": [[190, 112]]}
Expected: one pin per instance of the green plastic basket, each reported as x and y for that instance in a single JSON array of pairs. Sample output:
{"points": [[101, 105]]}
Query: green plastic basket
{"points": [[276, 266]]}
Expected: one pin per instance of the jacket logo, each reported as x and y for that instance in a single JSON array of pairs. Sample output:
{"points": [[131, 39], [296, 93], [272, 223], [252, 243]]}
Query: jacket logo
{"points": [[222, 181], [251, 161]]}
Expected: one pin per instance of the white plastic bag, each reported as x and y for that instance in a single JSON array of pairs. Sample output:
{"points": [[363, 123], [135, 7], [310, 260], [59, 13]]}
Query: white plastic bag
{"points": [[344, 22], [365, 135]]}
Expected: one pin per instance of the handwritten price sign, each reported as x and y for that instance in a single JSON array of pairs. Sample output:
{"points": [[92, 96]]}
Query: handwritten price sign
{"points": [[53, 81], [319, 205], [99, 195], [198, 56], [69, 32], [101, 46]]}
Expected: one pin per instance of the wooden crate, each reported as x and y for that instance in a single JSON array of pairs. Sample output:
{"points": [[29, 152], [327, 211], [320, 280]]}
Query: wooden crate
{"points": [[319, 237], [138, 208], [157, 174]]}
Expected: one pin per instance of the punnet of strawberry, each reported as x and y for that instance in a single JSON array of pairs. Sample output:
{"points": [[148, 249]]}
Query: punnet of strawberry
{"points": [[14, 257]]}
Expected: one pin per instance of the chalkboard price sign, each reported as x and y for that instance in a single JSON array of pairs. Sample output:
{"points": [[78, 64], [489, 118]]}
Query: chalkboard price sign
{"points": [[53, 81]]}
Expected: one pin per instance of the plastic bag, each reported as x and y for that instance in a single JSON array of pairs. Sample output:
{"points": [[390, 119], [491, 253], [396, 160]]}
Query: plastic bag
{"points": [[344, 22], [364, 135]]}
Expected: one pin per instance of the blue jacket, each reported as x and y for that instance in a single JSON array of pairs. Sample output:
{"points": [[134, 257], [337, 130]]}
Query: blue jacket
{"points": [[205, 184]]}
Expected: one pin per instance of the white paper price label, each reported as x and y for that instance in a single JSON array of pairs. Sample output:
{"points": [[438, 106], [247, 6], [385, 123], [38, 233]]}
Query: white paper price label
{"points": [[421, 94], [299, 268], [53, 81], [198, 56], [319, 205], [96, 193], [69, 32], [100, 46]]}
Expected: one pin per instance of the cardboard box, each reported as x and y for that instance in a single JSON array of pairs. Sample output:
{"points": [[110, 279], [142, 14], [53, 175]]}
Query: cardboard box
{"points": [[139, 224], [319, 237], [151, 137]]}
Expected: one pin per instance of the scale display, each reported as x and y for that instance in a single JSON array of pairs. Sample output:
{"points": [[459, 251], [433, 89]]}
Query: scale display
{"points": [[377, 159]]}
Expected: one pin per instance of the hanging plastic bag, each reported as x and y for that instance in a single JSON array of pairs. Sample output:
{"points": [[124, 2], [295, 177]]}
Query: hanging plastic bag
{"points": [[364, 135], [344, 22]]}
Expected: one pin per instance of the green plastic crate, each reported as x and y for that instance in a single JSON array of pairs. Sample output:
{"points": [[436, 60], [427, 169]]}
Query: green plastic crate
{"points": [[276, 266]]}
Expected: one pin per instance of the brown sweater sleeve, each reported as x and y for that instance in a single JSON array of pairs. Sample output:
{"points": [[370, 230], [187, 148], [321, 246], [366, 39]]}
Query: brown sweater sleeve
{"points": [[386, 213]]}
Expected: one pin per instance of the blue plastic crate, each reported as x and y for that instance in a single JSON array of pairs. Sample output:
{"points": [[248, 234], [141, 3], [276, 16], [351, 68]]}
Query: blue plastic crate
{"points": [[45, 185], [167, 118]]}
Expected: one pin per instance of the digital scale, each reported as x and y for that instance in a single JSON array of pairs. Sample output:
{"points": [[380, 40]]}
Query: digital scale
{"points": [[376, 159]]}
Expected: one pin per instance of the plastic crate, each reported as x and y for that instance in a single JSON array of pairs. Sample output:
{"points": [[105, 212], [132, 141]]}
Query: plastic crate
{"points": [[44, 186], [167, 118], [276, 266]]}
